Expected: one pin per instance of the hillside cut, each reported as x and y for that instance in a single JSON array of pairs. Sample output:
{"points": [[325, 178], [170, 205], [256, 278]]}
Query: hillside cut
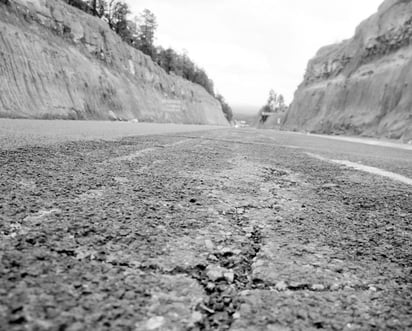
{"points": [[362, 86], [59, 62]]}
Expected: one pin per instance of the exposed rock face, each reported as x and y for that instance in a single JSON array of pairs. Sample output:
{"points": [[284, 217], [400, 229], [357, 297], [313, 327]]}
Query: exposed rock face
{"points": [[362, 86], [58, 62]]}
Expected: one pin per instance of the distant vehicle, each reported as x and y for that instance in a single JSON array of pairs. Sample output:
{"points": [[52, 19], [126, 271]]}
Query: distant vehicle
{"points": [[241, 124]]}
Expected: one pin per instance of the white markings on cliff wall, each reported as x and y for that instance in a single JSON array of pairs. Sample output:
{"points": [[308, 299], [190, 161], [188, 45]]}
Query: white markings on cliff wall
{"points": [[132, 69], [172, 106], [361, 167]]}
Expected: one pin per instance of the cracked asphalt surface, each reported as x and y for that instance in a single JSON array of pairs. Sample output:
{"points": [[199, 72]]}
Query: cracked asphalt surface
{"points": [[215, 230]]}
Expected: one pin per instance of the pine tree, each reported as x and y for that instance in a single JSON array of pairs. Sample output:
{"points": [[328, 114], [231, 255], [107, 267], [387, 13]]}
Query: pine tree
{"points": [[147, 29]]}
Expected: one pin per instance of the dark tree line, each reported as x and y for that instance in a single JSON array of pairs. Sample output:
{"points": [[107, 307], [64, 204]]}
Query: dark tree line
{"points": [[182, 65], [275, 103], [116, 13], [140, 33], [227, 110]]}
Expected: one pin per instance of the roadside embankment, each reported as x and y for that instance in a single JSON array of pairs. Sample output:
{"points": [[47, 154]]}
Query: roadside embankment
{"points": [[362, 86], [59, 62]]}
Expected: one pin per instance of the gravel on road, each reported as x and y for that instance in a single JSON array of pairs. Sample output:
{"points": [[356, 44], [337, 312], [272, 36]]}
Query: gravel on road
{"points": [[216, 230]]}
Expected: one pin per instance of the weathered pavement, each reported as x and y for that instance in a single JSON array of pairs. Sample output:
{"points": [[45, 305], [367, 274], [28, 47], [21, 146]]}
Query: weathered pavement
{"points": [[218, 230]]}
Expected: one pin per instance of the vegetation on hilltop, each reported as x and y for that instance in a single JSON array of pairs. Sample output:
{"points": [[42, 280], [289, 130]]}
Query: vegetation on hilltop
{"points": [[139, 33], [274, 104], [227, 110]]}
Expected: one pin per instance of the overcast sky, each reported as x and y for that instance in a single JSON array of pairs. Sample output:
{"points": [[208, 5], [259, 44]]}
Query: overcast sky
{"points": [[250, 46]]}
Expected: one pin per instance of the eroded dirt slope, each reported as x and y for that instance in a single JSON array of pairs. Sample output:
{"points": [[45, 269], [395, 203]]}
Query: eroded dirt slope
{"points": [[218, 230]]}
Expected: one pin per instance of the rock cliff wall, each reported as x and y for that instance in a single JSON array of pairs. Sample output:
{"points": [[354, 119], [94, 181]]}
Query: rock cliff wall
{"points": [[362, 86], [58, 62]]}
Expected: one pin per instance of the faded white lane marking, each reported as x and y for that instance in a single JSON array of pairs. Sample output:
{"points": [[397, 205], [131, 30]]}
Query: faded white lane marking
{"points": [[121, 180], [379, 143], [372, 142], [25, 225], [91, 194], [132, 156], [41, 215], [361, 167], [99, 193]]}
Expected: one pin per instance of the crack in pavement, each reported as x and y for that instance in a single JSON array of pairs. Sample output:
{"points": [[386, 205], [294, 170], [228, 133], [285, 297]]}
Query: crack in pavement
{"points": [[213, 235], [221, 286]]}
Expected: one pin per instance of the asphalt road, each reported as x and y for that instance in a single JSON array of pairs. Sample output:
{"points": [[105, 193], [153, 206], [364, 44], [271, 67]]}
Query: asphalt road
{"points": [[16, 133], [233, 229], [389, 156]]}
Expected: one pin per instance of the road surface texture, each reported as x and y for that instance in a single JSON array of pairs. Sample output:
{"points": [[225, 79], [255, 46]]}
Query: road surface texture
{"points": [[208, 230], [17, 133]]}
